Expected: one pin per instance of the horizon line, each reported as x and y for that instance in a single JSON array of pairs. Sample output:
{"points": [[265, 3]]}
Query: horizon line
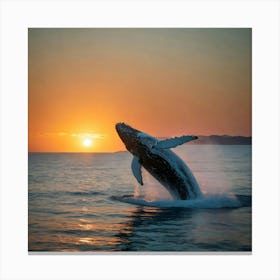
{"points": [[162, 137]]}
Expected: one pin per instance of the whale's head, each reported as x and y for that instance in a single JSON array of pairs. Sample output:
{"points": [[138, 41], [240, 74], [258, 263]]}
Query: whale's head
{"points": [[134, 140]]}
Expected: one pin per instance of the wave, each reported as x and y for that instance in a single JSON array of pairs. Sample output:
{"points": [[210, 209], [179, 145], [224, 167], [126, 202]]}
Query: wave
{"points": [[206, 202], [63, 193]]}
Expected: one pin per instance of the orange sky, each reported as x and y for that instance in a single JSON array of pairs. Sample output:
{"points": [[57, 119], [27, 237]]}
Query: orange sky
{"points": [[165, 82]]}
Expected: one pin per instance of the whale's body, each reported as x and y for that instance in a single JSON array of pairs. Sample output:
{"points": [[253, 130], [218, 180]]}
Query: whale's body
{"points": [[163, 164]]}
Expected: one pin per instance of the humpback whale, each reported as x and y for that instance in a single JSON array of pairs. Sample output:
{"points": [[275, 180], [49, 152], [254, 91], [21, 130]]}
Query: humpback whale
{"points": [[157, 158]]}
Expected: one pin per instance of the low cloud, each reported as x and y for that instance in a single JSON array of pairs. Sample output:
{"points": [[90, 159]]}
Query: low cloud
{"points": [[71, 134]]}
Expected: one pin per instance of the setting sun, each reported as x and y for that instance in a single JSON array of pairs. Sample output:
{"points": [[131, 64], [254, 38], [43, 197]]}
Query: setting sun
{"points": [[87, 142]]}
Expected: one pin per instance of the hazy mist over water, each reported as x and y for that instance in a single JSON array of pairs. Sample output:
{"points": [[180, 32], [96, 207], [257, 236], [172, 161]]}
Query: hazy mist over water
{"points": [[72, 205]]}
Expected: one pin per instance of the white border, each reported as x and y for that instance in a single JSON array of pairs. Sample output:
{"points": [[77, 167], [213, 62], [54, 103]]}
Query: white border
{"points": [[262, 16]]}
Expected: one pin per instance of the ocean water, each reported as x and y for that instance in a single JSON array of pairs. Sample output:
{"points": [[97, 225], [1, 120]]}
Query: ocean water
{"points": [[91, 202]]}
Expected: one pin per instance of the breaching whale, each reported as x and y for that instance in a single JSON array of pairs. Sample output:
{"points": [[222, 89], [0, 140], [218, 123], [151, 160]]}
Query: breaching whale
{"points": [[157, 158]]}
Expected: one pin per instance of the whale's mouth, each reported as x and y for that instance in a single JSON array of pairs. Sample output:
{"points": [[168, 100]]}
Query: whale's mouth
{"points": [[124, 132], [123, 128], [128, 135], [119, 128]]}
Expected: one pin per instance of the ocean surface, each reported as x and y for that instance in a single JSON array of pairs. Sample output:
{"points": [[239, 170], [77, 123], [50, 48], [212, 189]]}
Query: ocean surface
{"points": [[91, 202]]}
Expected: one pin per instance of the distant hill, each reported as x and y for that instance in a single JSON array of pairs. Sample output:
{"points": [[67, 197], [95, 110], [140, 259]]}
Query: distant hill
{"points": [[222, 140]]}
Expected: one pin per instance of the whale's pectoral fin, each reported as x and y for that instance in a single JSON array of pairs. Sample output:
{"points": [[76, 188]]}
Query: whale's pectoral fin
{"points": [[136, 170], [174, 142]]}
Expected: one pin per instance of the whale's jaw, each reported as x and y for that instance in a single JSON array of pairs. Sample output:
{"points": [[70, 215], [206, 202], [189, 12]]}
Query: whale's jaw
{"points": [[125, 131], [129, 137]]}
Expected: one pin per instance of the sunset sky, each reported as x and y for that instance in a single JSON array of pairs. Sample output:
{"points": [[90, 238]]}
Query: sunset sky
{"points": [[166, 82]]}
